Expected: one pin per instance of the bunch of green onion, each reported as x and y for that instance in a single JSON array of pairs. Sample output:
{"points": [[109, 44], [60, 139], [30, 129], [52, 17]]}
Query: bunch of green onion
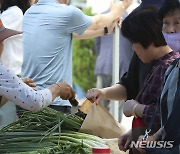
{"points": [[47, 132], [46, 120], [37, 142]]}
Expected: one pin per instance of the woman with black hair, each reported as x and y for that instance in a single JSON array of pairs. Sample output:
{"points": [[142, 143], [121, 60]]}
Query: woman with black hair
{"points": [[169, 13], [143, 29]]}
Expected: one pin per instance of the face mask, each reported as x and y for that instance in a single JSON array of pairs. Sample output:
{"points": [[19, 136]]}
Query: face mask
{"points": [[173, 40]]}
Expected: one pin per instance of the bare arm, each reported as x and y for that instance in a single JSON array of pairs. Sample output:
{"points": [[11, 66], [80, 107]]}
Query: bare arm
{"points": [[115, 92], [95, 33], [116, 11], [104, 20], [89, 34]]}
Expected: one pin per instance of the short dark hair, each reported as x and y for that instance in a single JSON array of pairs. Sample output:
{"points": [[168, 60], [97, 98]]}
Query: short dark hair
{"points": [[22, 4], [169, 6], [143, 26]]}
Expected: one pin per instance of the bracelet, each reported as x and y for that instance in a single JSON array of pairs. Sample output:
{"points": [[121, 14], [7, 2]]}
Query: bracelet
{"points": [[105, 30], [59, 87], [134, 107]]}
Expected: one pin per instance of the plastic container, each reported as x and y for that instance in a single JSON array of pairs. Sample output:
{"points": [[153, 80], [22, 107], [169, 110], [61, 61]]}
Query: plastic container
{"points": [[101, 150]]}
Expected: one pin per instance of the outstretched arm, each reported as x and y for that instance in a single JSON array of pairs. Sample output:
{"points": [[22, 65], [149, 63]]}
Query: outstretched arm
{"points": [[104, 20], [14, 89], [115, 92]]}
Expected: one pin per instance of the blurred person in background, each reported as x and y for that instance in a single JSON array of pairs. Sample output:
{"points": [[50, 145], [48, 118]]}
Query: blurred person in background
{"points": [[12, 15]]}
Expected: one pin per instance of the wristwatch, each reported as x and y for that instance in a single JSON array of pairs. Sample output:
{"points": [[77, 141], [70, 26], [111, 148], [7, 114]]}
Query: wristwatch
{"points": [[105, 30]]}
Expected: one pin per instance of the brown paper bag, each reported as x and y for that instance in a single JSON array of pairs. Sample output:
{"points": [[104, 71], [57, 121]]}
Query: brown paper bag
{"points": [[101, 123]]}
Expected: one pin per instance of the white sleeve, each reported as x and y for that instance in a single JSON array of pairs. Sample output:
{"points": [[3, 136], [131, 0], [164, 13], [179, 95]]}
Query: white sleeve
{"points": [[21, 94], [12, 18]]}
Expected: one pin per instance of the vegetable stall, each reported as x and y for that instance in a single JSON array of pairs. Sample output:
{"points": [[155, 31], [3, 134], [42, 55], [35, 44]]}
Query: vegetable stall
{"points": [[47, 131]]}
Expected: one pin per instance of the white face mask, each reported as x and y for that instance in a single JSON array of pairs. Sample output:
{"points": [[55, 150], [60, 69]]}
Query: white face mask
{"points": [[173, 40]]}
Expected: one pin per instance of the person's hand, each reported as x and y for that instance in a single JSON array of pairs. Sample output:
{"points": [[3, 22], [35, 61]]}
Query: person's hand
{"points": [[65, 91], [149, 139], [128, 107], [94, 94], [120, 22], [111, 27], [3, 101], [120, 6], [29, 82], [126, 3], [124, 141]]}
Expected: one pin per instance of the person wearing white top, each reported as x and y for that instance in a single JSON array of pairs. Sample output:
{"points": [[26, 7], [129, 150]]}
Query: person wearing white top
{"points": [[12, 55], [14, 89]]}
